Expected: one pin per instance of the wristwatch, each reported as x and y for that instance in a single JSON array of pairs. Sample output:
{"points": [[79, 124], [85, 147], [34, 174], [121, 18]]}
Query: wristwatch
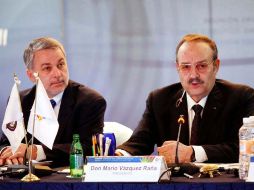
{"points": [[193, 158]]}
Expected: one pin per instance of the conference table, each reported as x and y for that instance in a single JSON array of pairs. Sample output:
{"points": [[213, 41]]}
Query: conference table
{"points": [[225, 181]]}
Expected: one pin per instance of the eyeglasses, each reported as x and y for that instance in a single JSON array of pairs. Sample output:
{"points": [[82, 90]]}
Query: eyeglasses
{"points": [[200, 67]]}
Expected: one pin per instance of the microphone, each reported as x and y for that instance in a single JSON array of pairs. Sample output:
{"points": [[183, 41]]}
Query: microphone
{"points": [[16, 173], [180, 121], [180, 100], [22, 170], [181, 168]]}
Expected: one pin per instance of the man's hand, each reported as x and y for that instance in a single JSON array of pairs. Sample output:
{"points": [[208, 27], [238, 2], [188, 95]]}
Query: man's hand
{"points": [[117, 153], [168, 150], [18, 157], [7, 157], [6, 153]]}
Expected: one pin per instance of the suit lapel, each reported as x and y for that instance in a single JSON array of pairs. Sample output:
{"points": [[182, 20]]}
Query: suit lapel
{"points": [[66, 109], [212, 108]]}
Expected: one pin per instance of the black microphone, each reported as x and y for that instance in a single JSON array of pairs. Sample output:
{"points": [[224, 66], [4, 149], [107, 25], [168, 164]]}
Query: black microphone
{"points": [[177, 168], [180, 121], [21, 170], [14, 171], [180, 100]]}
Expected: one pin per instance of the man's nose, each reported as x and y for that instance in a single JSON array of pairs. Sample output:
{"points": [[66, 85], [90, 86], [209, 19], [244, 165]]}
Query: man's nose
{"points": [[193, 71], [56, 72]]}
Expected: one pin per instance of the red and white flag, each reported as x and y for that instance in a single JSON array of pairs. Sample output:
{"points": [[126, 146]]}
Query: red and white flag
{"points": [[13, 124], [43, 118]]}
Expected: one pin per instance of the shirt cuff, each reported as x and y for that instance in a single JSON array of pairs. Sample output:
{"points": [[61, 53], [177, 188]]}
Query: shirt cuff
{"points": [[40, 153], [123, 152], [200, 154]]}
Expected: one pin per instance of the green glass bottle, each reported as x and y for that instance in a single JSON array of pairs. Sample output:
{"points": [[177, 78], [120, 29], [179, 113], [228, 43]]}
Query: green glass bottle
{"points": [[76, 158]]}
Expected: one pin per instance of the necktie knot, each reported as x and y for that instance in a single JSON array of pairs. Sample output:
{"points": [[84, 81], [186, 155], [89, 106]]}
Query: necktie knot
{"points": [[197, 109], [53, 102]]}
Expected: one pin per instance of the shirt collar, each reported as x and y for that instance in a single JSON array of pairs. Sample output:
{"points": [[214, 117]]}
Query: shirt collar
{"points": [[191, 102], [58, 98]]}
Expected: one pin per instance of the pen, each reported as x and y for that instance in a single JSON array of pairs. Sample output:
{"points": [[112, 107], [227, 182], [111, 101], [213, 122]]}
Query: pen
{"points": [[107, 145], [93, 146], [101, 144], [96, 146], [188, 175]]}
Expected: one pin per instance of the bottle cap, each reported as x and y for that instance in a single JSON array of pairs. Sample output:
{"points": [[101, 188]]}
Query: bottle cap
{"points": [[75, 136], [251, 119], [246, 120]]}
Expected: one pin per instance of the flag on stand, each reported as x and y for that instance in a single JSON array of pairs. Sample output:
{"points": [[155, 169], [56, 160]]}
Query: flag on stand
{"points": [[43, 118], [13, 124]]}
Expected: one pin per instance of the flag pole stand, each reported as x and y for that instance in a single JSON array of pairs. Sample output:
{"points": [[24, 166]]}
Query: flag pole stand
{"points": [[30, 177]]}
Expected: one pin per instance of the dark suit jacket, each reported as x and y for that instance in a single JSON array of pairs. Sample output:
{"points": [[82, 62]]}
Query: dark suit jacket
{"points": [[225, 108], [81, 111]]}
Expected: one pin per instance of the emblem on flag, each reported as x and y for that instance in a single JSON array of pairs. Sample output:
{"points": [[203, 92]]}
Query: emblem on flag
{"points": [[39, 117], [11, 126]]}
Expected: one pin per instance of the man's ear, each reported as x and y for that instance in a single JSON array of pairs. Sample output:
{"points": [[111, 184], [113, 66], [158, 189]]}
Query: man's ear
{"points": [[177, 66], [216, 65], [30, 75]]}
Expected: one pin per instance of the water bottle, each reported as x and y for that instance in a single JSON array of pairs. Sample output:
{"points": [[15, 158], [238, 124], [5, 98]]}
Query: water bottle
{"points": [[246, 146], [76, 158]]}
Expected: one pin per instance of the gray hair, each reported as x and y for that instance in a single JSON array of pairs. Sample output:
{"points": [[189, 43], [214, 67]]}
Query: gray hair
{"points": [[40, 44]]}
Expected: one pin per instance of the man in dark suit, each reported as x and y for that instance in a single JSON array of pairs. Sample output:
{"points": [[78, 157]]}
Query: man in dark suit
{"points": [[79, 109], [222, 107]]}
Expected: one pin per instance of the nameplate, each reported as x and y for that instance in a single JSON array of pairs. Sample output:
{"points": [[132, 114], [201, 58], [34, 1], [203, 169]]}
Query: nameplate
{"points": [[124, 169]]}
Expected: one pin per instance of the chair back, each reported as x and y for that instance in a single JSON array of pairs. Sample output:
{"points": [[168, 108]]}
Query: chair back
{"points": [[122, 133]]}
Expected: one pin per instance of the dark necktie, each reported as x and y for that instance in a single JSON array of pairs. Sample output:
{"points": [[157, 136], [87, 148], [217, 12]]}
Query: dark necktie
{"points": [[53, 103], [196, 124]]}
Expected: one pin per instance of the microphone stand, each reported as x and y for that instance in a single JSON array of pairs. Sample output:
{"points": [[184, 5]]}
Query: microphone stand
{"points": [[180, 121], [175, 168], [181, 168], [31, 177]]}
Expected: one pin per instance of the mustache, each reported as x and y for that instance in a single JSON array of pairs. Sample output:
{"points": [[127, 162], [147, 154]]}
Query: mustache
{"points": [[58, 81], [196, 80]]}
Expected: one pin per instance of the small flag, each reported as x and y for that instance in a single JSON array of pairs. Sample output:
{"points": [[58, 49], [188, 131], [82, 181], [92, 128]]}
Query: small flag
{"points": [[13, 124], [43, 119]]}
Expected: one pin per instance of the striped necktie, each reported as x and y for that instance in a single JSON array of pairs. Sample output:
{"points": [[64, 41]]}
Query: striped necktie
{"points": [[53, 103]]}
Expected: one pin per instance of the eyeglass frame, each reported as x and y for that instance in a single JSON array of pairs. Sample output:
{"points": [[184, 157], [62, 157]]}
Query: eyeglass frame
{"points": [[204, 63]]}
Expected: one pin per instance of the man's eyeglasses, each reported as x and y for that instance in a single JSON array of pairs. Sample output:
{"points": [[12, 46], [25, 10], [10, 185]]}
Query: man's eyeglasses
{"points": [[200, 67]]}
